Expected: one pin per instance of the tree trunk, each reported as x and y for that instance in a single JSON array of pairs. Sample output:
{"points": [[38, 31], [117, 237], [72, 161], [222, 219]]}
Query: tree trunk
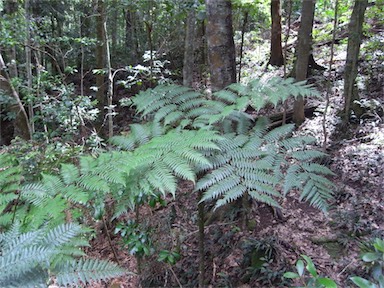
{"points": [[303, 52], [110, 83], [189, 59], [114, 29], [21, 124], [200, 54], [245, 22], [131, 39], [100, 61], [221, 47], [276, 58], [28, 61], [354, 41]]}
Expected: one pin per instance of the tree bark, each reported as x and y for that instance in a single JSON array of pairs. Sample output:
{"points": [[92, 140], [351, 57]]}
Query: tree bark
{"points": [[28, 61], [303, 52], [100, 61], [353, 50], [276, 58], [245, 22], [221, 47], [189, 59], [114, 29]]}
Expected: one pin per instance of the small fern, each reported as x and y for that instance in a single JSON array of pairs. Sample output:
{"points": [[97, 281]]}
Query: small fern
{"points": [[30, 259]]}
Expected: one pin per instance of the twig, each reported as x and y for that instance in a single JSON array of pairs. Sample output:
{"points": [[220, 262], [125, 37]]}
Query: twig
{"points": [[174, 275], [345, 268], [110, 241]]}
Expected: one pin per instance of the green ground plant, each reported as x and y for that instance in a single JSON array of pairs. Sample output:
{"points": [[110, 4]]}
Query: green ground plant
{"points": [[32, 259], [313, 279]]}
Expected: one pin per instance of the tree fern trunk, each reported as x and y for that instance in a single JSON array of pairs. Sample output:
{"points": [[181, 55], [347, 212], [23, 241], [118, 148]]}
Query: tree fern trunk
{"points": [[201, 241]]}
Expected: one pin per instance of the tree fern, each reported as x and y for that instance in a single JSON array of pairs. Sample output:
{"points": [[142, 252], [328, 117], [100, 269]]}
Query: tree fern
{"points": [[26, 258]]}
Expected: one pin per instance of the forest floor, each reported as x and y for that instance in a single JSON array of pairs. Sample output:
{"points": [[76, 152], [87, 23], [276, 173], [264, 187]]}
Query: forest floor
{"points": [[333, 240]]}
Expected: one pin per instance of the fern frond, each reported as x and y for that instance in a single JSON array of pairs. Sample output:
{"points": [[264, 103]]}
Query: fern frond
{"points": [[316, 168], [87, 271], [93, 183], [162, 179], [263, 198], [231, 195], [219, 188], [226, 95], [35, 277], [279, 133], [307, 155], [69, 173], [61, 234], [35, 193], [26, 258], [180, 167]]}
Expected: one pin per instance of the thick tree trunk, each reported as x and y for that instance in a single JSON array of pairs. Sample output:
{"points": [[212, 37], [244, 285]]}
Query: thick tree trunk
{"points": [[189, 59], [100, 61], [200, 55], [303, 52], [276, 58], [353, 50], [221, 47]]}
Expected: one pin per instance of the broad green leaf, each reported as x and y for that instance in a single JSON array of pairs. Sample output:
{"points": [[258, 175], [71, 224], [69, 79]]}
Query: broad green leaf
{"points": [[370, 257], [379, 245], [328, 283], [291, 275], [310, 266], [363, 283], [300, 267], [381, 281]]}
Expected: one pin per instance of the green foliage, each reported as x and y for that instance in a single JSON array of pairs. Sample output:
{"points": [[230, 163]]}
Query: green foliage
{"points": [[160, 160], [30, 259], [10, 180], [375, 259], [258, 163], [260, 260], [169, 257], [313, 279], [135, 238], [177, 106], [250, 160], [62, 112]]}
